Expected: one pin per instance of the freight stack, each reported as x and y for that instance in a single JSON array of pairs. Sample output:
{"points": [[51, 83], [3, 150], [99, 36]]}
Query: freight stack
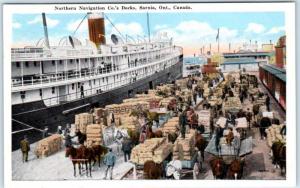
{"points": [[98, 114], [172, 126], [82, 120], [182, 83], [204, 117], [94, 134], [147, 151], [273, 134], [48, 146], [168, 102], [129, 122], [184, 149], [233, 104], [125, 108]]}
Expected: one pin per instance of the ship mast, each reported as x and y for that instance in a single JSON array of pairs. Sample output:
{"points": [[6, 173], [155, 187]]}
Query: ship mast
{"points": [[45, 30]]}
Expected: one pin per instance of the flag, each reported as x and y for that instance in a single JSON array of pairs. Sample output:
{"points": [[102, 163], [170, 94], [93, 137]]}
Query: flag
{"points": [[217, 37]]}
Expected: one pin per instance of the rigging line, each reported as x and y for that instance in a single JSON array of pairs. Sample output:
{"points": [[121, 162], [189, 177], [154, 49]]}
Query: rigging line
{"points": [[79, 24], [114, 27], [25, 125]]}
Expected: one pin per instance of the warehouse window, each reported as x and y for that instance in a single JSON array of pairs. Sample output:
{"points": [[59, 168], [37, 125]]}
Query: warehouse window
{"points": [[34, 63], [53, 90], [17, 64], [26, 63], [73, 86], [53, 62]]}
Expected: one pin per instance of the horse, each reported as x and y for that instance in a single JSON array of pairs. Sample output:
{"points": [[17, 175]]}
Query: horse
{"points": [[172, 136], [98, 150], [77, 157], [201, 144], [235, 170], [134, 137], [279, 155], [152, 170], [150, 134], [218, 168]]}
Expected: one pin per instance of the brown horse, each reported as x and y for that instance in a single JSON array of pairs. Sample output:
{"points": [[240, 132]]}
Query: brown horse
{"points": [[201, 144], [235, 170], [77, 157], [218, 168], [152, 170], [172, 136], [151, 134], [279, 155], [98, 151]]}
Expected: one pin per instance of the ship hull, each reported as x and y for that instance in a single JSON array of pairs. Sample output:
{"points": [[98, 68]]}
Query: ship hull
{"points": [[37, 115]]}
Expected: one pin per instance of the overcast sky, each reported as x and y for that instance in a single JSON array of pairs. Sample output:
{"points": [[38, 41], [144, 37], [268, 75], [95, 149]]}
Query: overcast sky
{"points": [[190, 30]]}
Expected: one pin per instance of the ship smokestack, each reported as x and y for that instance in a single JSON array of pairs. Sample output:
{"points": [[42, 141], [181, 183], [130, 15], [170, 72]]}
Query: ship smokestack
{"points": [[45, 30], [96, 28]]}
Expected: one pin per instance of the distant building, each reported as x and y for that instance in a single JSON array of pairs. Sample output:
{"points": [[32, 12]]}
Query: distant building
{"points": [[267, 47], [237, 64], [273, 76]]}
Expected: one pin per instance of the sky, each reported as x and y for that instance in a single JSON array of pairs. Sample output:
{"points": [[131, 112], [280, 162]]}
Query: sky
{"points": [[192, 31]]}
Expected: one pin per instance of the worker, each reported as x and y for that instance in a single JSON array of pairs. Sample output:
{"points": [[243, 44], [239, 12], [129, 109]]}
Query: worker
{"points": [[25, 148], [109, 161]]}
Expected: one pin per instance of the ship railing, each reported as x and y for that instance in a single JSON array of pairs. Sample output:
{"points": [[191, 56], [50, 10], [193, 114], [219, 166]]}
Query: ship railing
{"points": [[104, 88], [70, 75]]}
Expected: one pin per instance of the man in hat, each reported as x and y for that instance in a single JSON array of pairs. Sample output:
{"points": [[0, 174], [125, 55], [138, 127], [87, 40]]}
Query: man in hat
{"points": [[109, 161], [268, 102], [182, 123], [25, 148], [126, 148], [45, 132]]}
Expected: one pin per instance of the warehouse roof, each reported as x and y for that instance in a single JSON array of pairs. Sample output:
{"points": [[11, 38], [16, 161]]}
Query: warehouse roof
{"points": [[228, 61], [277, 72]]}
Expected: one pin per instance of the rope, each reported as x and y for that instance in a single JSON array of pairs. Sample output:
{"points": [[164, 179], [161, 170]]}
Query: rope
{"points": [[30, 127], [79, 24], [115, 27]]}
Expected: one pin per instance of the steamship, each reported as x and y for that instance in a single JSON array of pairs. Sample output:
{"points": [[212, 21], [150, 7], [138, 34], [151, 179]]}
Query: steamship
{"points": [[50, 84]]}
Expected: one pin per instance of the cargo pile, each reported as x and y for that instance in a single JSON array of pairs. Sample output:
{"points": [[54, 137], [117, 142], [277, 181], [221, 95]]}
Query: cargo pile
{"points": [[125, 108], [94, 134], [129, 122], [232, 104], [98, 114], [273, 134], [204, 117], [241, 123], [82, 120], [182, 83], [184, 149], [48, 146], [171, 126], [156, 149], [169, 101]]}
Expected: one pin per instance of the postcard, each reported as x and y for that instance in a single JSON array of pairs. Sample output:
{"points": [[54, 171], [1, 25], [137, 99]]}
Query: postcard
{"points": [[150, 95]]}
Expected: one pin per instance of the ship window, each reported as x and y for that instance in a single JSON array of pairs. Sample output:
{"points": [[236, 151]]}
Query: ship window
{"points": [[107, 79], [17, 64], [73, 86], [94, 82], [53, 62], [103, 79], [41, 92], [26, 63], [53, 90], [86, 59], [60, 62], [77, 60], [34, 63], [71, 60], [23, 94], [90, 82]]}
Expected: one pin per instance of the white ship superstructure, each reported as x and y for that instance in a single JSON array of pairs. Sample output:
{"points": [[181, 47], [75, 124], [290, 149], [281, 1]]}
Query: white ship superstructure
{"points": [[58, 74]]}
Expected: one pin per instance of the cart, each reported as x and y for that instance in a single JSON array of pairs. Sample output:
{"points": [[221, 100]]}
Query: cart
{"points": [[178, 169]]}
